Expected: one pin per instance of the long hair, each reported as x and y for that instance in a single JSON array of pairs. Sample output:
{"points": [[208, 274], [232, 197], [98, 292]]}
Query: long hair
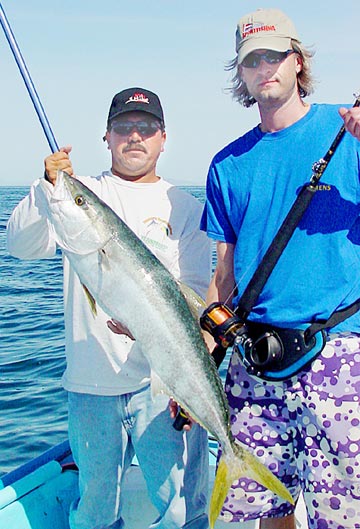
{"points": [[305, 79]]}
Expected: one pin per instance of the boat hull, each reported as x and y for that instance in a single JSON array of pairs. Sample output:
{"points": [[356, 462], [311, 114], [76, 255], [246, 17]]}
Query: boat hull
{"points": [[38, 495]]}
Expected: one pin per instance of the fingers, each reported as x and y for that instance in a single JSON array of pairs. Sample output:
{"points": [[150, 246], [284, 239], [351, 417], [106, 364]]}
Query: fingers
{"points": [[66, 149], [187, 426], [118, 328], [182, 420], [113, 327], [58, 161], [351, 117], [173, 408]]}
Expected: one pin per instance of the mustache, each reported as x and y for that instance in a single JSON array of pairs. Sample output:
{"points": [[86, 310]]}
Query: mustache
{"points": [[134, 147]]}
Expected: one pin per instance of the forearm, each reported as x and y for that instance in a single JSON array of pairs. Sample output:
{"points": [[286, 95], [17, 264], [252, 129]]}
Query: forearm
{"points": [[222, 285], [221, 288], [28, 233]]}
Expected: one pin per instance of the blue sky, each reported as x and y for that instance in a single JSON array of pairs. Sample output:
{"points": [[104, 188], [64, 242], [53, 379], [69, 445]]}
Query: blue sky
{"points": [[80, 53]]}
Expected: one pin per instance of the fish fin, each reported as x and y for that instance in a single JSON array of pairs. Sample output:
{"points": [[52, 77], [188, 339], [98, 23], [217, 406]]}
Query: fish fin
{"points": [[157, 386], [91, 300], [195, 302], [241, 463], [222, 483], [260, 473]]}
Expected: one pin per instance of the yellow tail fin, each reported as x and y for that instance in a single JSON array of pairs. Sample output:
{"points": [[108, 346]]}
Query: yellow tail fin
{"points": [[222, 483], [241, 463]]}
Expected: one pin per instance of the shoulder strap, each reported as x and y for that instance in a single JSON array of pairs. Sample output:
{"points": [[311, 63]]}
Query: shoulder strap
{"points": [[335, 318], [273, 253]]}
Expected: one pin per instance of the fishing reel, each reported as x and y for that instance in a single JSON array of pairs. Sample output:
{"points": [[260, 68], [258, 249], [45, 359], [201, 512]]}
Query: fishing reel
{"points": [[258, 352], [223, 324]]}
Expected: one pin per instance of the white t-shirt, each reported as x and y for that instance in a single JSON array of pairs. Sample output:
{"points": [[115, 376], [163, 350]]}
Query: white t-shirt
{"points": [[167, 219]]}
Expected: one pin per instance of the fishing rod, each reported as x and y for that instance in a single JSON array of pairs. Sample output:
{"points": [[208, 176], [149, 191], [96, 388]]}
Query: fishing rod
{"points": [[181, 418], [28, 81]]}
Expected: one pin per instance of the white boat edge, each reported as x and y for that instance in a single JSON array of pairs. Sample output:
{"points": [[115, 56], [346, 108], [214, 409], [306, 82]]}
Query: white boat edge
{"points": [[37, 495]]}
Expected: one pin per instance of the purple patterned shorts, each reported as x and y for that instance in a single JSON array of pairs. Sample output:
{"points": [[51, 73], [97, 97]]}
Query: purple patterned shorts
{"points": [[307, 431]]}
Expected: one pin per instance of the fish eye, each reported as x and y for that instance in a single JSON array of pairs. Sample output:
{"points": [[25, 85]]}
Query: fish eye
{"points": [[79, 200]]}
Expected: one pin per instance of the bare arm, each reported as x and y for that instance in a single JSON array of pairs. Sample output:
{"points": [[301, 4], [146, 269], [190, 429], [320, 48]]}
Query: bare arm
{"points": [[222, 284]]}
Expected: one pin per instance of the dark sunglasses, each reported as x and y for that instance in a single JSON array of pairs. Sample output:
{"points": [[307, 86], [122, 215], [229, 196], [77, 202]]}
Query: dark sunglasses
{"points": [[144, 128], [270, 56]]}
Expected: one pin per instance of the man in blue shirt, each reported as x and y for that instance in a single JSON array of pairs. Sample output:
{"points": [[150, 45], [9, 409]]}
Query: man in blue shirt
{"points": [[305, 427]]}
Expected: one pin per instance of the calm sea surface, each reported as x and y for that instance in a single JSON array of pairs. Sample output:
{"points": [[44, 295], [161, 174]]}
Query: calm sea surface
{"points": [[33, 405]]}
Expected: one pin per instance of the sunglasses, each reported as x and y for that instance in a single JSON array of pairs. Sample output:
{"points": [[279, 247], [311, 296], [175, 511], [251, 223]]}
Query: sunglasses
{"points": [[144, 128], [270, 56]]}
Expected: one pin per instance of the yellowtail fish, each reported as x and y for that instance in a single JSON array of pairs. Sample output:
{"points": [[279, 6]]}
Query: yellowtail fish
{"points": [[131, 285]]}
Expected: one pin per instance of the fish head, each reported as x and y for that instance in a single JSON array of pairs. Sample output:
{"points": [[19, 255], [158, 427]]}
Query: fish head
{"points": [[75, 214]]}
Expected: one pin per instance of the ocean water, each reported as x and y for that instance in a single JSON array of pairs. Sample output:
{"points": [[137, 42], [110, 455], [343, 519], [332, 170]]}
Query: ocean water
{"points": [[33, 405]]}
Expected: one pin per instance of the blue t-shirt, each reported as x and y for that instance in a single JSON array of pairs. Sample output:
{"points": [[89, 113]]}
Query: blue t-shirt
{"points": [[252, 184]]}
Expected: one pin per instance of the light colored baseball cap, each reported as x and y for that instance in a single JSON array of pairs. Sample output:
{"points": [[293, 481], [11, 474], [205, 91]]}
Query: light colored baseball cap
{"points": [[268, 29]]}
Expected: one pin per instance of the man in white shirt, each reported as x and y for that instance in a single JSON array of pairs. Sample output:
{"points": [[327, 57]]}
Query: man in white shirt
{"points": [[112, 415]]}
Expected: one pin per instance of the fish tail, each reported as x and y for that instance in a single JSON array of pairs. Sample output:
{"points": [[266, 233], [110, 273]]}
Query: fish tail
{"points": [[230, 468], [222, 483]]}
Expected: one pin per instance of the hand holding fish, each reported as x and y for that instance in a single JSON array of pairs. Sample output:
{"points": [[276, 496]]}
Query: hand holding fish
{"points": [[351, 117], [174, 409], [58, 161], [119, 328]]}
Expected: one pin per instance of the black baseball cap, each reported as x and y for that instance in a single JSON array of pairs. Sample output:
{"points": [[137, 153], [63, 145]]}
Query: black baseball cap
{"points": [[136, 99]]}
